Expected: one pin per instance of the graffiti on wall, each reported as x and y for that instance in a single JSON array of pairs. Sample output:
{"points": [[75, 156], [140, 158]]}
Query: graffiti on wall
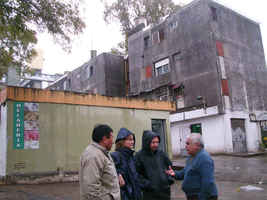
{"points": [[26, 126]]}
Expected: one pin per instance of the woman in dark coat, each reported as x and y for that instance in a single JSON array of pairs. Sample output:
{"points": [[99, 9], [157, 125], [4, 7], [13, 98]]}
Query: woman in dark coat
{"points": [[125, 165]]}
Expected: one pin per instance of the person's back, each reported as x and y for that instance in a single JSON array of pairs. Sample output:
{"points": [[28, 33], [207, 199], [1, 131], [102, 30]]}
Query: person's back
{"points": [[151, 165]]}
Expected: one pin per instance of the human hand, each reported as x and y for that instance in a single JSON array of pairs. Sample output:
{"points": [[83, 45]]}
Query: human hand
{"points": [[121, 180], [170, 171]]}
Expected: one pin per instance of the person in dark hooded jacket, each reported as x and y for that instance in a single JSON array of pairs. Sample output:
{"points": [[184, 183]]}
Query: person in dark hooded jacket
{"points": [[151, 165], [125, 165]]}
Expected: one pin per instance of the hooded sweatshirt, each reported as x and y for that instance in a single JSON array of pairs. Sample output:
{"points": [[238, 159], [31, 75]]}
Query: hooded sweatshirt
{"points": [[151, 167], [125, 165]]}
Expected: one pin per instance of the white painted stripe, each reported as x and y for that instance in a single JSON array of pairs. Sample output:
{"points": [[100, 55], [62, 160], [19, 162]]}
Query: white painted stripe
{"points": [[222, 67], [194, 114], [3, 141]]}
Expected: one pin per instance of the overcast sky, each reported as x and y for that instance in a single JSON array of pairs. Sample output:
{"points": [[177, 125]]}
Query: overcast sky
{"points": [[102, 37]]}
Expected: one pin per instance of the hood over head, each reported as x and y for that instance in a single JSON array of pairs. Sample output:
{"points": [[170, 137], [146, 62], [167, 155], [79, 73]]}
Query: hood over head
{"points": [[123, 133], [147, 138]]}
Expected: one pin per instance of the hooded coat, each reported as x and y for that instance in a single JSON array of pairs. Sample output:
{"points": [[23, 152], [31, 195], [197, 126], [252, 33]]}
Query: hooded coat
{"points": [[151, 167], [125, 165]]}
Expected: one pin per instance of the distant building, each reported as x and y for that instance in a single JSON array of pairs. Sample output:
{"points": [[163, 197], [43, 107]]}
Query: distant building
{"points": [[103, 74], [210, 60], [33, 79]]}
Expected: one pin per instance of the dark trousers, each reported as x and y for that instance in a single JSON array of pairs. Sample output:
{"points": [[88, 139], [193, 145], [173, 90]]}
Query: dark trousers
{"points": [[157, 195], [195, 197]]}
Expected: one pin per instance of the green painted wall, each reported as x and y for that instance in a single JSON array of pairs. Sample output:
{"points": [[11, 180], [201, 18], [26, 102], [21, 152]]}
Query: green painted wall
{"points": [[65, 131]]}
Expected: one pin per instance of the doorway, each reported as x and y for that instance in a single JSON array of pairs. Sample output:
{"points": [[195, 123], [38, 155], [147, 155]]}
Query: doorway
{"points": [[239, 135], [159, 126]]}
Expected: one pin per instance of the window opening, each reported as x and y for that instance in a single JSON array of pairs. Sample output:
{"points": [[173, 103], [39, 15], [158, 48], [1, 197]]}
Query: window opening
{"points": [[146, 42], [161, 35], [162, 67], [91, 71], [214, 13]]}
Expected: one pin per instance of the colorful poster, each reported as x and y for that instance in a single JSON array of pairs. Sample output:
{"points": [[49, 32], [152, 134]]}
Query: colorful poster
{"points": [[26, 126]]}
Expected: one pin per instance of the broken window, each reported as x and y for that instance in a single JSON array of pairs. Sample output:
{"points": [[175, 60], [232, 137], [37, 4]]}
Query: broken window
{"points": [[161, 35], [178, 95], [146, 42], [158, 36], [162, 93], [214, 13], [162, 67]]}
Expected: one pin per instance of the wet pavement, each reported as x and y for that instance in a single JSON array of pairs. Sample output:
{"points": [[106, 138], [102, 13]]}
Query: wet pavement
{"points": [[53, 191], [70, 191], [238, 168], [231, 173]]}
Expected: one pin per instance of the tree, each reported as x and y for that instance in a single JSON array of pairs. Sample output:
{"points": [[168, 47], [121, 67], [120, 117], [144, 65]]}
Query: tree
{"points": [[20, 20], [126, 11]]}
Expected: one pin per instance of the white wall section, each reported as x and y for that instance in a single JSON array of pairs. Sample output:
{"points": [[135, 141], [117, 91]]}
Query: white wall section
{"points": [[3, 140]]}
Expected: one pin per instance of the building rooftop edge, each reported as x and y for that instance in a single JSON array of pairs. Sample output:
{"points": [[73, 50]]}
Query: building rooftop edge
{"points": [[74, 98]]}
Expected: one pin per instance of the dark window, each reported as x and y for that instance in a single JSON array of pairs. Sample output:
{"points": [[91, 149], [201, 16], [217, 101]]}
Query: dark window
{"points": [[173, 25], [146, 42], [214, 13], [159, 126], [155, 37], [91, 71], [178, 91], [161, 35], [69, 83]]}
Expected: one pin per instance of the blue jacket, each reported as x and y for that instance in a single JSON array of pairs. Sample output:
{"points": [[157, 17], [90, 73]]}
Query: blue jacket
{"points": [[198, 176], [125, 165]]}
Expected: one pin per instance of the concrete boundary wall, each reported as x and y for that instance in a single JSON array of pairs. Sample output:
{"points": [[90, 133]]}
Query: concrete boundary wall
{"points": [[65, 123]]}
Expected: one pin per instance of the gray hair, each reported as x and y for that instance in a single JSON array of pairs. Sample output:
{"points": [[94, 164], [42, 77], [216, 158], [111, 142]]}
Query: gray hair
{"points": [[196, 138]]}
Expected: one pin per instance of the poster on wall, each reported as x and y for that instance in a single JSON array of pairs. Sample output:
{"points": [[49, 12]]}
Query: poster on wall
{"points": [[26, 125]]}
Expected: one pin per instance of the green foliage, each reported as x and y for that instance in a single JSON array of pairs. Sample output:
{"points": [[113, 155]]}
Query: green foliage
{"points": [[126, 11], [21, 19]]}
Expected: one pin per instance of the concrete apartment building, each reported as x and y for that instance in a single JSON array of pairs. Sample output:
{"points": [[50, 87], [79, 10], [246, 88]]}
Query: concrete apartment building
{"points": [[210, 60], [103, 74]]}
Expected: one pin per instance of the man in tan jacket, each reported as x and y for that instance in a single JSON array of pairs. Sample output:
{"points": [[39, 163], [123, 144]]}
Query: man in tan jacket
{"points": [[98, 177]]}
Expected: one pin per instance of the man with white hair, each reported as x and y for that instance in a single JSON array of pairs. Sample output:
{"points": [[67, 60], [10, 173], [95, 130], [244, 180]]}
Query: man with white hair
{"points": [[198, 174]]}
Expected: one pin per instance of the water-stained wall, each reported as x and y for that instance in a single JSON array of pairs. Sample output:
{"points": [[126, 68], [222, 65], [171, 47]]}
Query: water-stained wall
{"points": [[103, 74], [213, 52]]}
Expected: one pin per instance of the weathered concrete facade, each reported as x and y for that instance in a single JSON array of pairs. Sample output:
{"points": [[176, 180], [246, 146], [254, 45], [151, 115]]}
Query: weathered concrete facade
{"points": [[103, 74], [65, 122], [204, 56]]}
